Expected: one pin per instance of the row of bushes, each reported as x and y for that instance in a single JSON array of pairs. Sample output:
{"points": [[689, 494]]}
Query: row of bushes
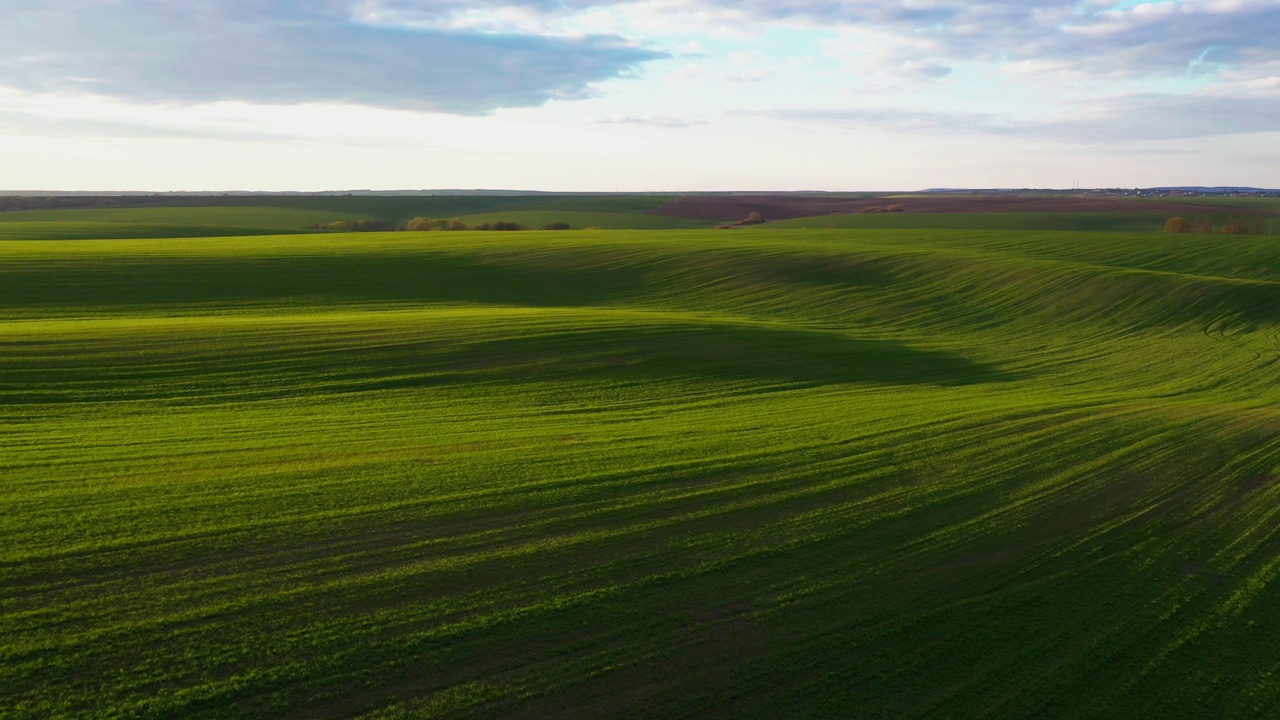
{"points": [[1249, 225], [355, 226], [425, 224]]}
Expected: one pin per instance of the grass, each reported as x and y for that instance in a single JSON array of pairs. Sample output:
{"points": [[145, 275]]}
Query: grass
{"points": [[284, 211], [396, 209], [578, 219], [781, 473], [260, 215], [1084, 222], [81, 230], [262, 219], [1248, 204]]}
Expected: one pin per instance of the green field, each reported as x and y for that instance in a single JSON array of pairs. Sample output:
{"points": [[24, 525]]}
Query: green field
{"points": [[263, 218], [536, 219], [158, 222], [1246, 204], [400, 208], [90, 230], [771, 473], [259, 215], [1089, 222]]}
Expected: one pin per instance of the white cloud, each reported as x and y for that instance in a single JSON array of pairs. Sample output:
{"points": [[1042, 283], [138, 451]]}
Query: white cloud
{"points": [[925, 37], [292, 52], [666, 123], [915, 75], [469, 56], [1117, 119]]}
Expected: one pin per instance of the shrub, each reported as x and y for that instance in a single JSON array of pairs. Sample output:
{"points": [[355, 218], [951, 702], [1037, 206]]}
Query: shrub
{"points": [[358, 226], [420, 224], [895, 208], [753, 218], [456, 224], [1233, 229], [558, 226], [1177, 224], [872, 209]]}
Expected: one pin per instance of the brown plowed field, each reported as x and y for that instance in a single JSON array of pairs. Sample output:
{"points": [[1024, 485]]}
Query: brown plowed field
{"points": [[783, 206]]}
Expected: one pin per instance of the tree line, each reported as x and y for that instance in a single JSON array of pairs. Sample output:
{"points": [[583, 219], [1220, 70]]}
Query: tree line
{"points": [[1204, 224]]}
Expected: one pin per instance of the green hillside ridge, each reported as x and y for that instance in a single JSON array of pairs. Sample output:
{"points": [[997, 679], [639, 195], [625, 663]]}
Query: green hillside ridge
{"points": [[768, 473], [265, 214], [269, 218], [1087, 222], [78, 230], [578, 219], [396, 209]]}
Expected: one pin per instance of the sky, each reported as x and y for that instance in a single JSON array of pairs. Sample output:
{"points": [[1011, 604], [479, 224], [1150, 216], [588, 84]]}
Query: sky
{"points": [[637, 95]]}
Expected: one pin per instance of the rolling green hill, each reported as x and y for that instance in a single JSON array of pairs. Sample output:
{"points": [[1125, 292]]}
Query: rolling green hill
{"points": [[770, 473], [396, 209], [258, 215], [259, 218], [579, 219], [89, 230], [1090, 222]]}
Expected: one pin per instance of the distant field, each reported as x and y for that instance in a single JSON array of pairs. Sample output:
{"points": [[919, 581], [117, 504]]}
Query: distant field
{"points": [[603, 220], [74, 230], [768, 473], [790, 206], [269, 218], [1246, 204], [1090, 222], [397, 209], [263, 214]]}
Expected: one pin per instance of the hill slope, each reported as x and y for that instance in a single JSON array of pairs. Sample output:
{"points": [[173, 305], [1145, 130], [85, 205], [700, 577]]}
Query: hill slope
{"points": [[894, 473]]}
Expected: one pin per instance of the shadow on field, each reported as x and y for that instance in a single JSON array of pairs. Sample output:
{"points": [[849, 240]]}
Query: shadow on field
{"points": [[711, 352], [330, 278], [235, 369], [533, 278]]}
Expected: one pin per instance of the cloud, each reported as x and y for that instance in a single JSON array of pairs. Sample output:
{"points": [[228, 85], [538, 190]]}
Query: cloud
{"points": [[39, 125], [666, 123], [885, 118], [1167, 37], [474, 56], [1085, 36], [1092, 36], [291, 52], [1156, 116], [170, 124], [1125, 118]]}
